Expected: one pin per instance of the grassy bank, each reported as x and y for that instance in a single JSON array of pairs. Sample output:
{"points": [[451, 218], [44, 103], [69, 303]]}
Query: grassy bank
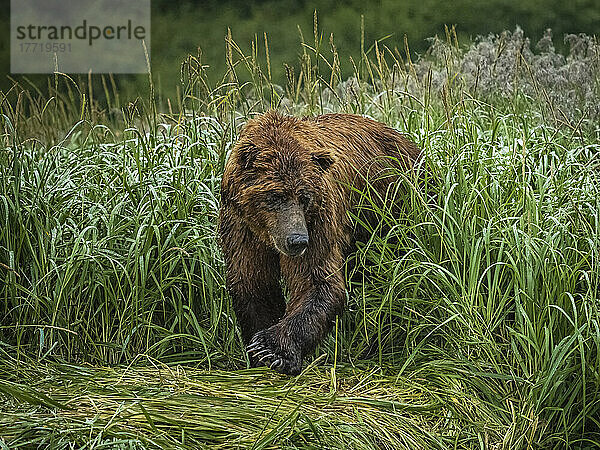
{"points": [[184, 407], [476, 320]]}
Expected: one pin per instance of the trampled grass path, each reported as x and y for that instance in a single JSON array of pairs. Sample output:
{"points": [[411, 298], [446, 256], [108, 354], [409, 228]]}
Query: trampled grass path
{"points": [[185, 407]]}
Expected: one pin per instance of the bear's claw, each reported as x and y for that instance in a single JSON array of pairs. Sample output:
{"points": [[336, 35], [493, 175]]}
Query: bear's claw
{"points": [[265, 349], [265, 358], [260, 354], [276, 364], [253, 346]]}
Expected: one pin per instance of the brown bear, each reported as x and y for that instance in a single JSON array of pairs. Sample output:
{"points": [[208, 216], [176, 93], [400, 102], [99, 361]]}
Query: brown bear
{"points": [[287, 190]]}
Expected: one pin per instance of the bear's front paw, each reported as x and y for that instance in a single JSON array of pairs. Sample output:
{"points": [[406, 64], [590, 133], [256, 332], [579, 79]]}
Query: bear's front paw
{"points": [[266, 348]]}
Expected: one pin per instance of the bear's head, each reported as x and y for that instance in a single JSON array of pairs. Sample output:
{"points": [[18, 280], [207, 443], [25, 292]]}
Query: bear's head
{"points": [[278, 181]]}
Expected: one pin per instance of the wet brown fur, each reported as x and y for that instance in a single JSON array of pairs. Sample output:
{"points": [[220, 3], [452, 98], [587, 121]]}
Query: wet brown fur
{"points": [[322, 156]]}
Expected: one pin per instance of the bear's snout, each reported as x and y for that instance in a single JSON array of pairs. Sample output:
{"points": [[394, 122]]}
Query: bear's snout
{"points": [[296, 244], [289, 232]]}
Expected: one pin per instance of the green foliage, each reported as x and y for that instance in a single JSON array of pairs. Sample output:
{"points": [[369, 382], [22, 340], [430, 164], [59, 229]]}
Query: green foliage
{"points": [[478, 307], [114, 243], [180, 28], [392, 21]]}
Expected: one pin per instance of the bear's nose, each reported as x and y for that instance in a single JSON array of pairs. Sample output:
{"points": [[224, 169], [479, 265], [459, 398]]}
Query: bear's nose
{"points": [[297, 243]]}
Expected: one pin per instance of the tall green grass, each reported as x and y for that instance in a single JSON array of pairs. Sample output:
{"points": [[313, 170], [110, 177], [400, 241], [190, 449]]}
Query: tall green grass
{"points": [[483, 295]]}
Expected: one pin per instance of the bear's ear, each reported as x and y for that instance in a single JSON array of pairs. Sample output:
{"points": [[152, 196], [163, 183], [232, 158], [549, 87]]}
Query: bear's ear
{"points": [[323, 160], [247, 154]]}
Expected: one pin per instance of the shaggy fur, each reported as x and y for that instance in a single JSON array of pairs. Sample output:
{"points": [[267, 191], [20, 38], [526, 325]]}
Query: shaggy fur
{"points": [[283, 166]]}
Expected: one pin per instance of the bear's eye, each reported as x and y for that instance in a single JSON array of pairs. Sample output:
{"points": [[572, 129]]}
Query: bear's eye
{"points": [[304, 199], [275, 198]]}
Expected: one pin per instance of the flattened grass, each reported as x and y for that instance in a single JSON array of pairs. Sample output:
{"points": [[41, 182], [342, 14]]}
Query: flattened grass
{"points": [[183, 407]]}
